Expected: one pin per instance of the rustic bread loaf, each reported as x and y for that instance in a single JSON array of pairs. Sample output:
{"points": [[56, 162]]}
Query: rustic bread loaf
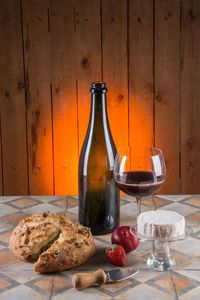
{"points": [[74, 247], [58, 243], [35, 234]]}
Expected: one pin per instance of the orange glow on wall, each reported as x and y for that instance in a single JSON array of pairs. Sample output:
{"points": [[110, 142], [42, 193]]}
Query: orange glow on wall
{"points": [[67, 128]]}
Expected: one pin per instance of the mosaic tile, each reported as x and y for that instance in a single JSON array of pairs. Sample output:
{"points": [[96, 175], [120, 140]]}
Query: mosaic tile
{"points": [[6, 210], [191, 295], [20, 272], [146, 283], [189, 246], [60, 202], [46, 199], [113, 288], [6, 283], [43, 207], [144, 292], [51, 284], [101, 245], [73, 210], [5, 236], [89, 294], [197, 234], [174, 198], [136, 260], [22, 292], [24, 202], [4, 199], [155, 202], [143, 249], [145, 275], [191, 269], [123, 202], [194, 201], [128, 198], [128, 213], [6, 257], [180, 208], [72, 216], [4, 226], [179, 257], [195, 229], [131, 209], [173, 283], [71, 202], [15, 218], [193, 219], [105, 238]]}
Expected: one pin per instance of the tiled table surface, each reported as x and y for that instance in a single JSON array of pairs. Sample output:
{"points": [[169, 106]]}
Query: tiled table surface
{"points": [[19, 281]]}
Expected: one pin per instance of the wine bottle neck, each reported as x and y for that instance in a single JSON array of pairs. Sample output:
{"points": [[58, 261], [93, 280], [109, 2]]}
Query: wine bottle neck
{"points": [[98, 137], [99, 109], [100, 124]]}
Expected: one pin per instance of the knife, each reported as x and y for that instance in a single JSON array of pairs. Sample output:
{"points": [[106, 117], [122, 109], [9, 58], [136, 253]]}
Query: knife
{"points": [[83, 280]]}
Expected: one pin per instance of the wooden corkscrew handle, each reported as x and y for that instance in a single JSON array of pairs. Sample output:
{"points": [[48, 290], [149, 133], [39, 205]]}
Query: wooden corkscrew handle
{"points": [[83, 280]]}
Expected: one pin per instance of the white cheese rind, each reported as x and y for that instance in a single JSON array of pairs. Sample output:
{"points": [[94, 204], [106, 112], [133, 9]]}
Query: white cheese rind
{"points": [[161, 224]]}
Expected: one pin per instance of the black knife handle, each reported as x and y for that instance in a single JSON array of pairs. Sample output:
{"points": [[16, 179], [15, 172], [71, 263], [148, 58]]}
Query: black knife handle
{"points": [[83, 280]]}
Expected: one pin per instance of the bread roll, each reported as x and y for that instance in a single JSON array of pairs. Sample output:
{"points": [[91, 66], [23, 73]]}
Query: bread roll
{"points": [[53, 241], [73, 248]]}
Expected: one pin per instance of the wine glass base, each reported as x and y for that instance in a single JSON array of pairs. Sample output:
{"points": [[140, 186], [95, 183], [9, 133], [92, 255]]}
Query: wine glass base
{"points": [[160, 258], [161, 264]]}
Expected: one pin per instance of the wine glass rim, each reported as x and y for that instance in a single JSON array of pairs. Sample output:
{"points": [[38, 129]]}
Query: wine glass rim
{"points": [[140, 147]]}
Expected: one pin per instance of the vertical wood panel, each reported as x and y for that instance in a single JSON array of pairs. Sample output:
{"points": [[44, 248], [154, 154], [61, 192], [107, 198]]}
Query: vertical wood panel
{"points": [[167, 88], [88, 58], [141, 73], [114, 46], [190, 91], [13, 119], [37, 70], [141, 49], [1, 167], [64, 96]]}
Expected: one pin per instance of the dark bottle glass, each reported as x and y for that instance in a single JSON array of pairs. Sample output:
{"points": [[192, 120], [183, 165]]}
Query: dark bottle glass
{"points": [[98, 193]]}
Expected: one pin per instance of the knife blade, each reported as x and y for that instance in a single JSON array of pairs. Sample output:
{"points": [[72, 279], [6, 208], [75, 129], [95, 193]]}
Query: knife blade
{"points": [[83, 280]]}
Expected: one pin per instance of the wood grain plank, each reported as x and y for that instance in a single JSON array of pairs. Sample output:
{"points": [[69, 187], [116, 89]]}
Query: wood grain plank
{"points": [[141, 74], [115, 65], [88, 57], [1, 166], [190, 93], [64, 96], [12, 97], [167, 88], [37, 71]]}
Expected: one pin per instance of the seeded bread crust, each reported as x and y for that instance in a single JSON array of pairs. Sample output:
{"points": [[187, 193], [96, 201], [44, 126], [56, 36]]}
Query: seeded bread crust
{"points": [[73, 248], [52, 241], [35, 234]]}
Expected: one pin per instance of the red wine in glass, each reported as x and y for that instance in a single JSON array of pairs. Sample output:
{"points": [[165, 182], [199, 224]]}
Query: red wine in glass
{"points": [[142, 183], [139, 172]]}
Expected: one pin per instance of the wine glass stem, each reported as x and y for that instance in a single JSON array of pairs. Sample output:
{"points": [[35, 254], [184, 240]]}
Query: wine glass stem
{"points": [[139, 203]]}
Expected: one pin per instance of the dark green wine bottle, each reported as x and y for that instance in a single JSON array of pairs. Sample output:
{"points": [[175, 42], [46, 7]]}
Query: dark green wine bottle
{"points": [[98, 193]]}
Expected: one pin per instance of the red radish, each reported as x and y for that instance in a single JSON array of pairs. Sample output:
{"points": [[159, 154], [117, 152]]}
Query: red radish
{"points": [[122, 236]]}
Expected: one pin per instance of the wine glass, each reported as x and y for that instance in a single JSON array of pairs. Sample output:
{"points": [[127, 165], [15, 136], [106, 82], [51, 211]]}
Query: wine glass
{"points": [[139, 172]]}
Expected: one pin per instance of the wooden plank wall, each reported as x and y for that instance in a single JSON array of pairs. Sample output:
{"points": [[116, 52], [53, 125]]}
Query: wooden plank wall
{"points": [[148, 52], [167, 87], [14, 146]]}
